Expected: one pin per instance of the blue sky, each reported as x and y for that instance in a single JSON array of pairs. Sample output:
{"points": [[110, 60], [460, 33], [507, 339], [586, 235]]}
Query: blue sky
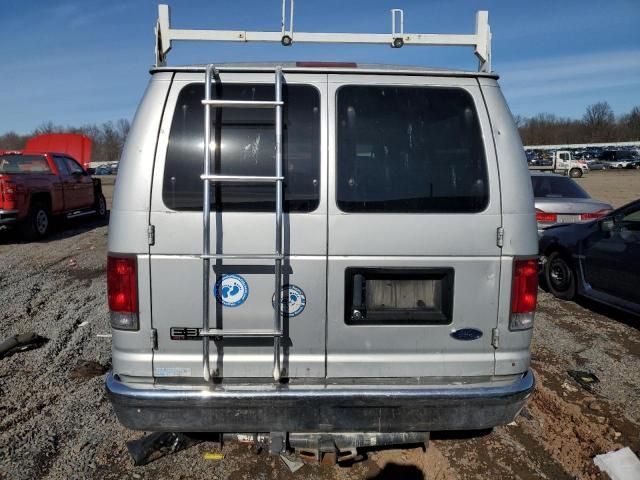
{"points": [[74, 62]]}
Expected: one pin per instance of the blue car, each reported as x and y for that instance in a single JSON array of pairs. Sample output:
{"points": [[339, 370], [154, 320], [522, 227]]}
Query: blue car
{"points": [[599, 260]]}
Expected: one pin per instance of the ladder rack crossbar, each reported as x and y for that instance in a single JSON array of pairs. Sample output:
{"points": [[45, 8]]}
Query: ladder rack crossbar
{"points": [[480, 40]]}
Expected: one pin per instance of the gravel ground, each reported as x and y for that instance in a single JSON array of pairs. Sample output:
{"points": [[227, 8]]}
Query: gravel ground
{"points": [[55, 422]]}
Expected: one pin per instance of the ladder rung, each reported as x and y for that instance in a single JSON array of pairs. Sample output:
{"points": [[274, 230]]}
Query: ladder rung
{"points": [[231, 256], [242, 103], [240, 333], [240, 179]]}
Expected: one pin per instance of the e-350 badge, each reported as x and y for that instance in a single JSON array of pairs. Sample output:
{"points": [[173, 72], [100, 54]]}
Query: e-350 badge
{"points": [[185, 333]]}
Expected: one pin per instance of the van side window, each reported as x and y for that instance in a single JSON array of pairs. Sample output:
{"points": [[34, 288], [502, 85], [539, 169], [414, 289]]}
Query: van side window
{"points": [[243, 143], [409, 150]]}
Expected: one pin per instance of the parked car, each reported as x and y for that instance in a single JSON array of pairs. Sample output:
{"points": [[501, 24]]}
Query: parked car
{"points": [[36, 186], [559, 199], [402, 190], [618, 158], [599, 259], [103, 170], [635, 164], [597, 165]]}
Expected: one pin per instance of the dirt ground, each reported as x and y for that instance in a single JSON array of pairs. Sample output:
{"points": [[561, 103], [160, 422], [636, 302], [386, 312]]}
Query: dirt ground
{"points": [[55, 422], [615, 187]]}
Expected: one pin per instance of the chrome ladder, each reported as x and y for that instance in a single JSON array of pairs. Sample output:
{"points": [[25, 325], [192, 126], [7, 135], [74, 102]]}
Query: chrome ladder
{"points": [[206, 256]]}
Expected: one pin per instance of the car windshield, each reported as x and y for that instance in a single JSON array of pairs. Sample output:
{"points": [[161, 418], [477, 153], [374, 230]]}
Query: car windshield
{"points": [[556, 187], [23, 164]]}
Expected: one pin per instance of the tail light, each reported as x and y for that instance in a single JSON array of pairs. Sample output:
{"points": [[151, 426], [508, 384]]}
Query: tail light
{"points": [[545, 217], [8, 193], [524, 294], [594, 215], [122, 288]]}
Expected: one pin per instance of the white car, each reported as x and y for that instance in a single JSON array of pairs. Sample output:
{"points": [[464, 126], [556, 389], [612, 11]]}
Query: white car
{"points": [[619, 163]]}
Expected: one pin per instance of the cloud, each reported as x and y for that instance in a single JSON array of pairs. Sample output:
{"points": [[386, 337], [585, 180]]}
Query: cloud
{"points": [[80, 14], [571, 74]]}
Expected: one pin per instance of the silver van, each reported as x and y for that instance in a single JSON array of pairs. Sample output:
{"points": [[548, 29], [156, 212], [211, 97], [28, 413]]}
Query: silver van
{"points": [[354, 252]]}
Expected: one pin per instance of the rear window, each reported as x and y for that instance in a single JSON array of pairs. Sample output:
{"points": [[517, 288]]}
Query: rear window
{"points": [[409, 150], [243, 143], [24, 164], [556, 187]]}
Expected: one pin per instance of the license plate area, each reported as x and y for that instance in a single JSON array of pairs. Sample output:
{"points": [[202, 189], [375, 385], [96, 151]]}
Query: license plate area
{"points": [[568, 218], [398, 296]]}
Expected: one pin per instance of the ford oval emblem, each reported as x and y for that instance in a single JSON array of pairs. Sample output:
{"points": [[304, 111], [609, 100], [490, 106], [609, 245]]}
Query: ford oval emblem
{"points": [[466, 334]]}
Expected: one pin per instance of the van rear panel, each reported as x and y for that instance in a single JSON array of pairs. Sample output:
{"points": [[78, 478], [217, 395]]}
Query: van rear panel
{"points": [[406, 204], [393, 195]]}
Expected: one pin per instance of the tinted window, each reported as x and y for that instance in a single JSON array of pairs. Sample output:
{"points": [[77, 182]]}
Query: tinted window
{"points": [[408, 149], [243, 143], [631, 219], [556, 187], [23, 164], [62, 167], [73, 166]]}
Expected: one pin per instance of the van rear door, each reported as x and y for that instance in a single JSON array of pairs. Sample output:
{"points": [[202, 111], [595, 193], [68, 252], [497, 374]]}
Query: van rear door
{"points": [[414, 211], [241, 293]]}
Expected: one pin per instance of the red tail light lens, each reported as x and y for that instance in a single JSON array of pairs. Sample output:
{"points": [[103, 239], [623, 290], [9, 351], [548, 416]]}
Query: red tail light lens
{"points": [[545, 217], [7, 192], [525, 286], [594, 215], [524, 294], [122, 284]]}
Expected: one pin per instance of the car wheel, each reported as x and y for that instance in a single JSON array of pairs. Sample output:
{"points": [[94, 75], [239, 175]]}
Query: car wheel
{"points": [[560, 277], [575, 173], [101, 207], [38, 222]]}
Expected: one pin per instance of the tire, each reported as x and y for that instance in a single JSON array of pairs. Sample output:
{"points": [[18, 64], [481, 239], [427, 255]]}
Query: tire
{"points": [[101, 207], [38, 222], [575, 173], [560, 277]]}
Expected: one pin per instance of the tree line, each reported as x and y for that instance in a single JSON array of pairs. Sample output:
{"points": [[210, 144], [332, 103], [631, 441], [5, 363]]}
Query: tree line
{"points": [[108, 138], [598, 125]]}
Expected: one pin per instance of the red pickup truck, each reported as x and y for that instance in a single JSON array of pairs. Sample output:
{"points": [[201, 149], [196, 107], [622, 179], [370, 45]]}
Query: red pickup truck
{"points": [[35, 186]]}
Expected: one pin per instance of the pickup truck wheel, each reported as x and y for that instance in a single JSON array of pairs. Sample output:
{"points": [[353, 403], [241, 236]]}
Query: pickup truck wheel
{"points": [[101, 207], [560, 277], [575, 173], [37, 223]]}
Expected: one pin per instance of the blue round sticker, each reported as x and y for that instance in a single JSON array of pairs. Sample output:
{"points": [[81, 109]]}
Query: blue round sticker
{"points": [[292, 299], [231, 290]]}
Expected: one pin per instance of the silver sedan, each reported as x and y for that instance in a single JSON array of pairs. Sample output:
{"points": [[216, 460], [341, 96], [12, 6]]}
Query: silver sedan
{"points": [[560, 199]]}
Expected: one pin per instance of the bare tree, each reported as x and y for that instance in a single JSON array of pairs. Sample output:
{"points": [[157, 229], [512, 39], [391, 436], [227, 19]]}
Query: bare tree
{"points": [[630, 124], [599, 122], [12, 141]]}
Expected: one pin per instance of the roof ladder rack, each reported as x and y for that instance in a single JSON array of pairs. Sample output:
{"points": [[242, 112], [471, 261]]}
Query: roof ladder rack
{"points": [[397, 38]]}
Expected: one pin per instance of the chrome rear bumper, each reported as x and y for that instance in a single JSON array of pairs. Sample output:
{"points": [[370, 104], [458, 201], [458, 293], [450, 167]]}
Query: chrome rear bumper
{"points": [[324, 409]]}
